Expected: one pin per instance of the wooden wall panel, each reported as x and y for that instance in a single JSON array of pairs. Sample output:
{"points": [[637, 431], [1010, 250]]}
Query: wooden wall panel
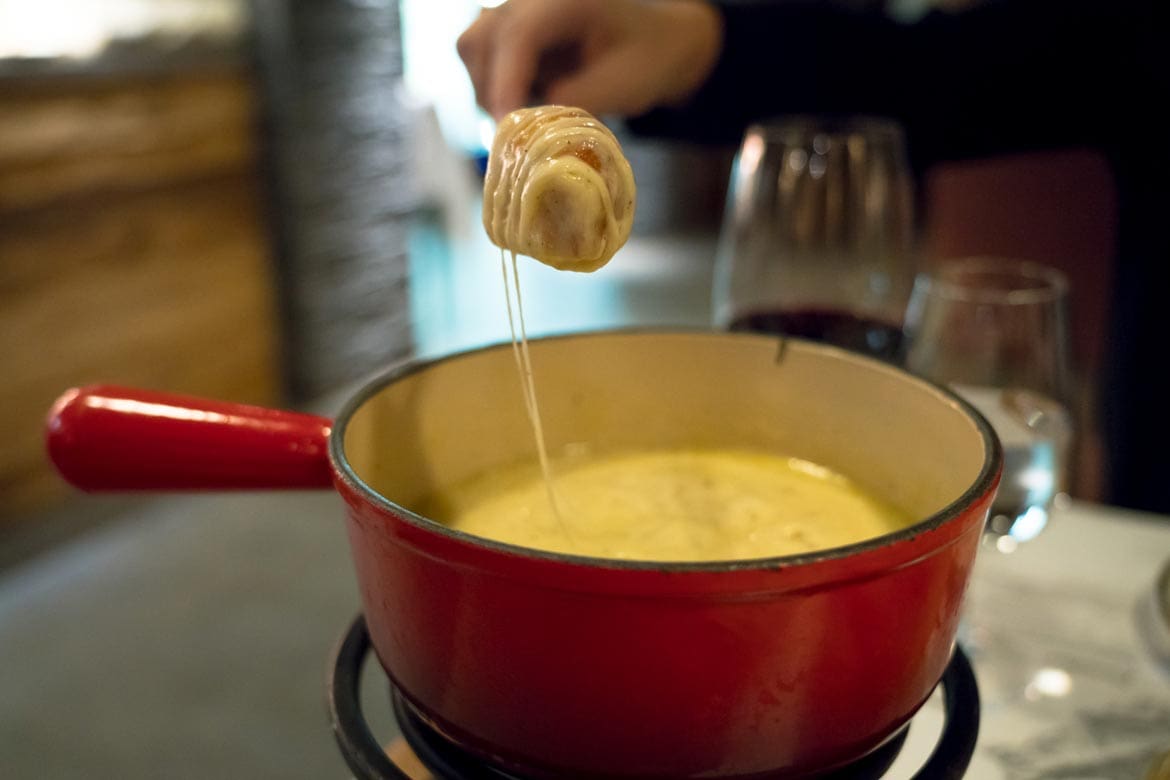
{"points": [[132, 250]]}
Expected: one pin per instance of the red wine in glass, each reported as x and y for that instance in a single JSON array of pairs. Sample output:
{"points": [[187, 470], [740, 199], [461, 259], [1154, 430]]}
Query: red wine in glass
{"points": [[867, 335]]}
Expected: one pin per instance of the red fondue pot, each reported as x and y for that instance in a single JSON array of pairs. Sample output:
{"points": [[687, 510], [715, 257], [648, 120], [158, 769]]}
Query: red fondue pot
{"points": [[552, 665]]}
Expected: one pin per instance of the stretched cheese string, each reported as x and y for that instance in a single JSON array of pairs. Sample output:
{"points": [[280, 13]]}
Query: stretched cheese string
{"points": [[524, 369]]}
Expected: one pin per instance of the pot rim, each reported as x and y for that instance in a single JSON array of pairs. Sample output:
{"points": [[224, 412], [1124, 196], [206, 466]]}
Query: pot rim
{"points": [[986, 479]]}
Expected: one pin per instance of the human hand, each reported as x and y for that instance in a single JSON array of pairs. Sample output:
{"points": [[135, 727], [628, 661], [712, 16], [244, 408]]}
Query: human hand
{"points": [[620, 57]]}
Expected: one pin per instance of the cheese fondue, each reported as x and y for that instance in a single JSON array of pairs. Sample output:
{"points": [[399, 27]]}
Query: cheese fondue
{"points": [[670, 505]]}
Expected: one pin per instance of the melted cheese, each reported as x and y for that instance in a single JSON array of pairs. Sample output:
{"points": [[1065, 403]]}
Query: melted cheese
{"points": [[558, 188], [670, 505]]}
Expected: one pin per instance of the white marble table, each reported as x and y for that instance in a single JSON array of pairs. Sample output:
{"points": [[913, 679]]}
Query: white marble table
{"points": [[1069, 688]]}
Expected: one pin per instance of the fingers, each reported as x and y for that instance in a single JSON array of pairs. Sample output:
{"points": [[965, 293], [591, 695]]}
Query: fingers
{"points": [[624, 57], [503, 48], [527, 32], [661, 55]]}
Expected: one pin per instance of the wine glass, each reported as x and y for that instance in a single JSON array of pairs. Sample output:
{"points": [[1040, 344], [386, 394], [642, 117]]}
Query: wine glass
{"points": [[818, 233], [996, 331]]}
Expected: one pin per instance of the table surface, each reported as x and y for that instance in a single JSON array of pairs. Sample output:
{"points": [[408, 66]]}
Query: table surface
{"points": [[190, 636]]}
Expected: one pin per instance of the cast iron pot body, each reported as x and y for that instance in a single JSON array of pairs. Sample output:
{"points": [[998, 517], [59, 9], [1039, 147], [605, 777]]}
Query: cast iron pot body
{"points": [[553, 665]]}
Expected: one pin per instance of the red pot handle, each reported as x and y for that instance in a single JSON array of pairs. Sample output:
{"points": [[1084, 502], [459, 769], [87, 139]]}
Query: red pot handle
{"points": [[118, 438]]}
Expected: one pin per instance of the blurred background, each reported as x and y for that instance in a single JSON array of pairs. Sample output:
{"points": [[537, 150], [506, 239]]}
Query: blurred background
{"points": [[263, 201]]}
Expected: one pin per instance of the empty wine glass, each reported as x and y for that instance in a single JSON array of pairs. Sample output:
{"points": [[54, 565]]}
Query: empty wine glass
{"points": [[996, 331], [818, 233]]}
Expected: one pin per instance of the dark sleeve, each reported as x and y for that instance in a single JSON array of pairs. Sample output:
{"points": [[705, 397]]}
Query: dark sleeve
{"points": [[1008, 75]]}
